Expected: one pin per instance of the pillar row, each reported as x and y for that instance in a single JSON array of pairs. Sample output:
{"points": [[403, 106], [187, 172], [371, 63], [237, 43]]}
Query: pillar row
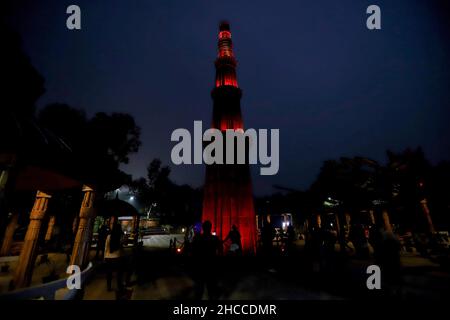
{"points": [[27, 258], [50, 227], [82, 239], [9, 234]]}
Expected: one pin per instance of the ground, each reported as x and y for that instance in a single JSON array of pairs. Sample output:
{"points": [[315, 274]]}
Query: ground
{"points": [[158, 274]]}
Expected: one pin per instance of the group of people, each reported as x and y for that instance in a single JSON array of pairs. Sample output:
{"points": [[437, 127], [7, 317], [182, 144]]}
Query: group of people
{"points": [[205, 248], [268, 234], [193, 239], [110, 246], [321, 241]]}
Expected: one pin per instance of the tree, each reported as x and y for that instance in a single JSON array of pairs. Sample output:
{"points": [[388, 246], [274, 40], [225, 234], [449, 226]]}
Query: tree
{"points": [[349, 180], [22, 85], [411, 173], [99, 144], [116, 135], [174, 204]]}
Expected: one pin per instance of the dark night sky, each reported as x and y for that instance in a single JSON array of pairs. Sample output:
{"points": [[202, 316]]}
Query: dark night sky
{"points": [[310, 68]]}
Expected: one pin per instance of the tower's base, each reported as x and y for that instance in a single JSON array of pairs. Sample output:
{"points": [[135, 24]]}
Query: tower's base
{"points": [[228, 200]]}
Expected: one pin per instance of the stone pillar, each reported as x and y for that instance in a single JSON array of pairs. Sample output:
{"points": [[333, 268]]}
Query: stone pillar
{"points": [[386, 220], [82, 238], [9, 233], [27, 258], [136, 221], [318, 221], [89, 240], [8, 174], [426, 211], [340, 233], [51, 225], [112, 222], [372, 217], [75, 225], [348, 220], [338, 223]]}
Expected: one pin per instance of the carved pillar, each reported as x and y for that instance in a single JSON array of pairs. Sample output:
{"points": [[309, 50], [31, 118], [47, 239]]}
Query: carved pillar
{"points": [[372, 217], [8, 174], [112, 222], [387, 222], [426, 211], [24, 270], [89, 240], [134, 223], [136, 220], [340, 233], [348, 220], [82, 238], [318, 221], [51, 225], [9, 233], [75, 225]]}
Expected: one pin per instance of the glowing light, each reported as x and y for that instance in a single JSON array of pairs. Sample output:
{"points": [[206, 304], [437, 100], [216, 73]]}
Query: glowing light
{"points": [[131, 198], [178, 250], [224, 34], [228, 196], [225, 64]]}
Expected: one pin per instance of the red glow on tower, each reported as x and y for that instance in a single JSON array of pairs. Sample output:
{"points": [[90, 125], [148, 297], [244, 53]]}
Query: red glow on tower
{"points": [[228, 196], [225, 63]]}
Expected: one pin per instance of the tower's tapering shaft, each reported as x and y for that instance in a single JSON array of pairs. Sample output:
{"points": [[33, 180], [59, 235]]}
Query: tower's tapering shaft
{"points": [[228, 197]]}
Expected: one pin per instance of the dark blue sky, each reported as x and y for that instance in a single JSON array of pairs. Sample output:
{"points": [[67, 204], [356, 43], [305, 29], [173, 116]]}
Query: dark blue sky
{"points": [[310, 68]]}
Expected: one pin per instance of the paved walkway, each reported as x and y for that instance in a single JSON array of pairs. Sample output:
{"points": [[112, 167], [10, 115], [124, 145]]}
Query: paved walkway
{"points": [[159, 275], [161, 240]]}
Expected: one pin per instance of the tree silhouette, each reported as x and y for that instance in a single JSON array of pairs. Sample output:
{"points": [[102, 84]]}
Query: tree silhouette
{"points": [[99, 144], [172, 203]]}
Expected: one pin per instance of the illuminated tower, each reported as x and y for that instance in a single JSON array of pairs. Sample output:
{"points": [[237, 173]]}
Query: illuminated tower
{"points": [[228, 197]]}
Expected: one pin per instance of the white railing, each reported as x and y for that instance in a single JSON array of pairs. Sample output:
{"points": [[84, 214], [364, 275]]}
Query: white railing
{"points": [[48, 291]]}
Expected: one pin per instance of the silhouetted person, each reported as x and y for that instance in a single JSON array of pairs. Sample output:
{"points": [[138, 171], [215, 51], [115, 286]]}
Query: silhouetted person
{"points": [[113, 257], [188, 238], [328, 253], [359, 240], [205, 249], [387, 257], [235, 237], [267, 235], [174, 245], [102, 234], [290, 239]]}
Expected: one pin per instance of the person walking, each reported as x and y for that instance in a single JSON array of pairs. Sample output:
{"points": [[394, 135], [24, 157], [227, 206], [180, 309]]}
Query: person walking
{"points": [[113, 256], [235, 237], [102, 234], [205, 249]]}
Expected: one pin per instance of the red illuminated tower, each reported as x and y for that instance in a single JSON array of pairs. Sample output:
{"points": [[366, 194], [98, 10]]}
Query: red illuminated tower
{"points": [[228, 197]]}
